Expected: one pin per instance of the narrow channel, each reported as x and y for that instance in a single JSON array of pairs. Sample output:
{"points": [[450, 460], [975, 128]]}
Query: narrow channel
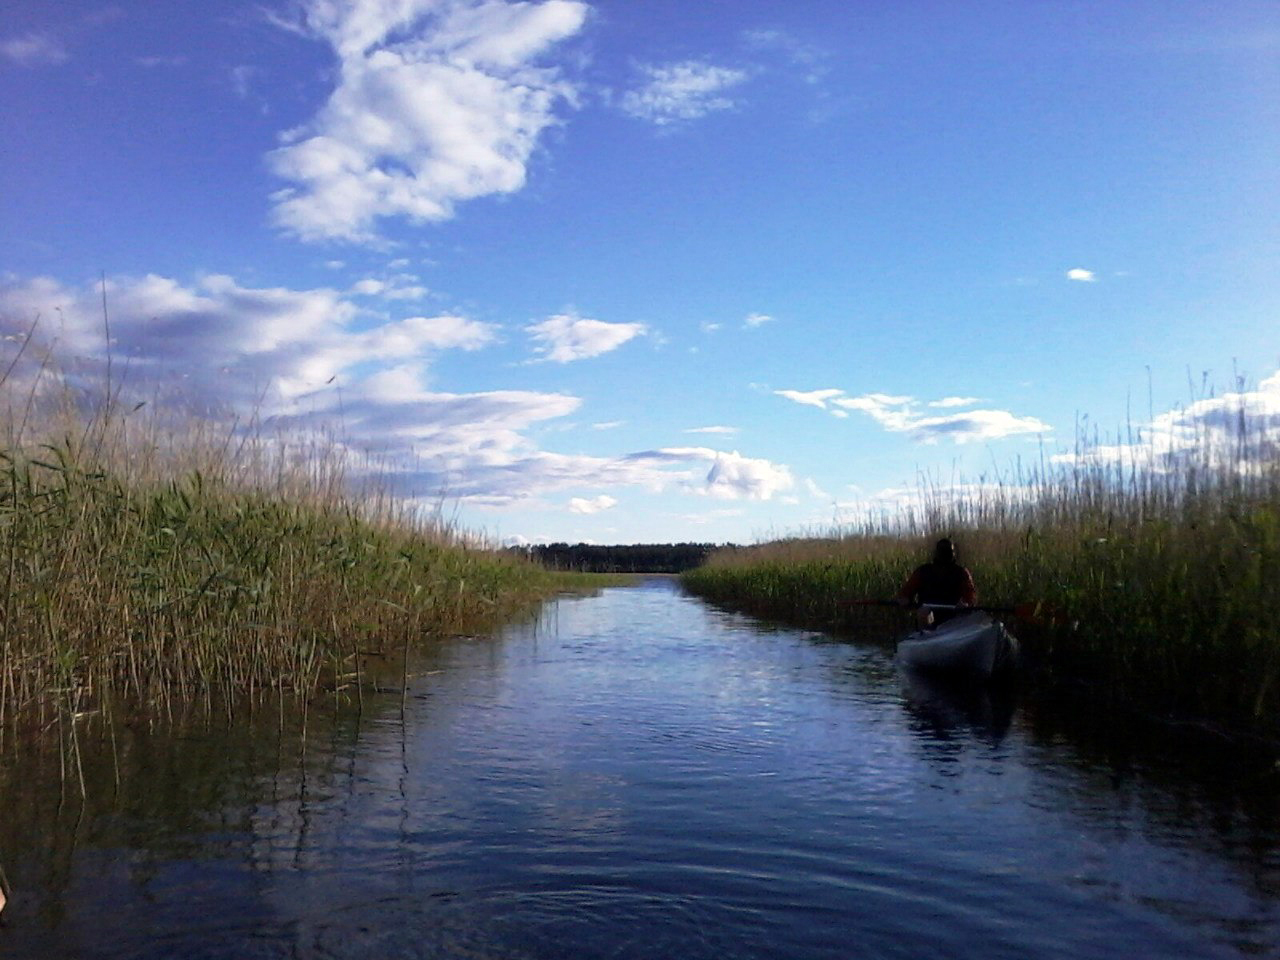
{"points": [[639, 775]]}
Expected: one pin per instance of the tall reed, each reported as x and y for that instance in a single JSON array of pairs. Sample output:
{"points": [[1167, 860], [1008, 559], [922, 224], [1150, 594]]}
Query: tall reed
{"points": [[160, 556], [1165, 557]]}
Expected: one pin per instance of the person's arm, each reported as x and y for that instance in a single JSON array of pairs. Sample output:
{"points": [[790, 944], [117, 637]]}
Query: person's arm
{"points": [[910, 588], [968, 592]]}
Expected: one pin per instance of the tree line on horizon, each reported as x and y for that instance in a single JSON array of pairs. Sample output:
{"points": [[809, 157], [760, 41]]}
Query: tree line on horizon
{"points": [[619, 558]]}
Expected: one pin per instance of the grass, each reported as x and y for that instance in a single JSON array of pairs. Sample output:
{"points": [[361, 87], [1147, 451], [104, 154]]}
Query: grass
{"points": [[154, 558], [1167, 560]]}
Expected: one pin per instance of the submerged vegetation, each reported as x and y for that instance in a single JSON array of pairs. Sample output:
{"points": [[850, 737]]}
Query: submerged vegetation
{"points": [[1163, 555], [150, 559]]}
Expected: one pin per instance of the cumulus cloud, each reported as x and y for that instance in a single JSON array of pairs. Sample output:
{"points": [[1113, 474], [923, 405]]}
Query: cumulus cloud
{"points": [[301, 361], [1081, 275], [592, 504], [33, 50], [566, 337], [676, 92], [730, 475], [903, 414], [437, 102]]}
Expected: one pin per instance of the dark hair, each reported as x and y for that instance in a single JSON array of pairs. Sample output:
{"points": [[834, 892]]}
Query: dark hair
{"points": [[944, 551]]}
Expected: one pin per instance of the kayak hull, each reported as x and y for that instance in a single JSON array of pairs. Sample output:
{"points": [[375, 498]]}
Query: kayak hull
{"points": [[973, 645]]}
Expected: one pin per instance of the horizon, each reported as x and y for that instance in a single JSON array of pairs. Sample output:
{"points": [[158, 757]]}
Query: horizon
{"points": [[603, 274]]}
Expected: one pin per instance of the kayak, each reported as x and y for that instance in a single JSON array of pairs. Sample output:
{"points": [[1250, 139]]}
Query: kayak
{"points": [[972, 645]]}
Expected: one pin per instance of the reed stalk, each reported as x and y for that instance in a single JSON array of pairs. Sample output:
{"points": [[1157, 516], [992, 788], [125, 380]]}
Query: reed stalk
{"points": [[162, 557], [1167, 563]]}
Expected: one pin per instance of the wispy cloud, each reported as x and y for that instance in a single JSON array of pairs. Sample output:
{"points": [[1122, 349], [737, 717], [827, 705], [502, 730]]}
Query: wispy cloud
{"points": [[151, 63], [676, 92], [720, 431], [567, 337], [592, 504], [1081, 275], [754, 320], [903, 414], [811, 398], [812, 61], [34, 50], [438, 102], [399, 287]]}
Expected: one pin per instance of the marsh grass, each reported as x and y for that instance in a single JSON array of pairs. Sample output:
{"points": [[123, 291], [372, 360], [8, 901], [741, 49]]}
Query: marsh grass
{"points": [[151, 556], [1165, 558]]}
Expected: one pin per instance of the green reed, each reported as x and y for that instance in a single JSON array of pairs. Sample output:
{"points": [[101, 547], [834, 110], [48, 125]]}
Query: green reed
{"points": [[155, 561], [1166, 569]]}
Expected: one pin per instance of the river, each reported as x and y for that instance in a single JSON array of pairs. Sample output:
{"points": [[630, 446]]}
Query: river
{"points": [[639, 775]]}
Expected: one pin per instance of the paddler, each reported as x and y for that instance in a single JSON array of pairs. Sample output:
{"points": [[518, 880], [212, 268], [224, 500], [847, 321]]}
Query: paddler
{"points": [[943, 581]]}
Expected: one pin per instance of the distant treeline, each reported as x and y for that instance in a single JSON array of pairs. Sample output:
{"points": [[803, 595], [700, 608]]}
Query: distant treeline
{"points": [[629, 558]]}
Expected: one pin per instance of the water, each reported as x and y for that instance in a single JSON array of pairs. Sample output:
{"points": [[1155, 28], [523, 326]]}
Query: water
{"points": [[640, 775]]}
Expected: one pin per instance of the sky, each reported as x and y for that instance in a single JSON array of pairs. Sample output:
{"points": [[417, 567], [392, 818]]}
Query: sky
{"points": [[643, 272]]}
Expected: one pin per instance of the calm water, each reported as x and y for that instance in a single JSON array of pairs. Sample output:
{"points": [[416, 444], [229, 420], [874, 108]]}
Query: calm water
{"points": [[639, 775]]}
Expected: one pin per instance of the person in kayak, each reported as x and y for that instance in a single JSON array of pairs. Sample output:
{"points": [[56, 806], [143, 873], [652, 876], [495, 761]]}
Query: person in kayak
{"points": [[941, 580]]}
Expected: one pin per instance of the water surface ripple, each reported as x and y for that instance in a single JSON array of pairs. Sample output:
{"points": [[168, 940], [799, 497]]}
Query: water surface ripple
{"points": [[640, 775]]}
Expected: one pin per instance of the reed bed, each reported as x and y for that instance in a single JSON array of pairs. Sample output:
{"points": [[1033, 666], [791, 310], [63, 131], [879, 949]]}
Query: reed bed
{"points": [[1164, 561], [147, 558]]}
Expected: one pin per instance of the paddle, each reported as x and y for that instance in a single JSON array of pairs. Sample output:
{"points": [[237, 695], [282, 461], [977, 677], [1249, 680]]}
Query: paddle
{"points": [[1034, 612]]}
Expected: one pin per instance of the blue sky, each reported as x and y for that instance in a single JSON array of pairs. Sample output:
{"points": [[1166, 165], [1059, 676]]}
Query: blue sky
{"points": [[654, 271]]}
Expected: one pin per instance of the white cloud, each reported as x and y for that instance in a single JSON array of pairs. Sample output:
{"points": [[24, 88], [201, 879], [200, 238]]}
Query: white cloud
{"points": [[1239, 429], [731, 475], [304, 361], [677, 92], [901, 414], [176, 60], [1081, 275], [438, 101], [810, 398], [564, 338], [927, 500], [33, 50], [400, 287], [608, 425], [592, 505], [232, 345], [754, 320], [708, 327], [722, 431]]}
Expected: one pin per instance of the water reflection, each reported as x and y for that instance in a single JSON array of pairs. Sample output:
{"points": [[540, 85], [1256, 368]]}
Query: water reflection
{"points": [[638, 775], [942, 708]]}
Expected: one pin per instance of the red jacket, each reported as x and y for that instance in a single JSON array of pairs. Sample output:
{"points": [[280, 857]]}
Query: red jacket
{"points": [[946, 583]]}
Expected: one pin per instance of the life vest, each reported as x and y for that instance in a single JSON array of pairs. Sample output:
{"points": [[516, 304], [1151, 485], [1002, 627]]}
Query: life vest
{"points": [[942, 583]]}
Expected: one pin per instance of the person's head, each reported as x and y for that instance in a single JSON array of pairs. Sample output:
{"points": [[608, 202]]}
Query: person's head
{"points": [[944, 551]]}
